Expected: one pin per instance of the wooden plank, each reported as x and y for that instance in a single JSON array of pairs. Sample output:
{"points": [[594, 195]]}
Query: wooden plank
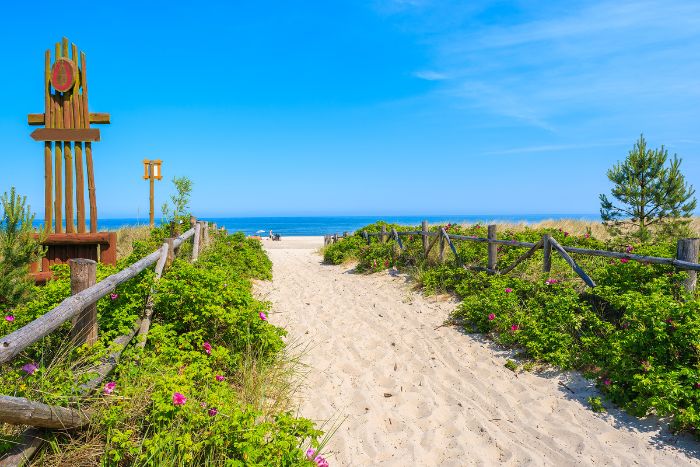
{"points": [[99, 118], [146, 321], [68, 158], [424, 237], [29, 443], [571, 262], [522, 257], [197, 237], [80, 187], [452, 247], [108, 251], [84, 84], [22, 411], [679, 264], [58, 167], [66, 134], [76, 238], [48, 186], [45, 118], [432, 244], [396, 237], [91, 187]]}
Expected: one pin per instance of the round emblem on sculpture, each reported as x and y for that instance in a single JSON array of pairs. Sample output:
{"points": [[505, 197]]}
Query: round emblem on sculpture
{"points": [[63, 74]]}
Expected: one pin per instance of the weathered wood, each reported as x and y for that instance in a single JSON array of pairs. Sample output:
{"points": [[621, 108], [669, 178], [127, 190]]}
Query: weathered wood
{"points": [[492, 248], [419, 232], [48, 187], [66, 134], [195, 243], [498, 242], [367, 237], [571, 262], [442, 248], [522, 257], [151, 201], [58, 198], [396, 237], [205, 233], [22, 411], [76, 238], [145, 323], [424, 237], [547, 265], [99, 118], [432, 244], [678, 264], [687, 249], [82, 276], [382, 236], [171, 251], [91, 187], [29, 443], [108, 250]]}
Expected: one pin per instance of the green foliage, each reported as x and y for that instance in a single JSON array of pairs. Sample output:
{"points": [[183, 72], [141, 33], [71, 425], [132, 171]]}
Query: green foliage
{"points": [[18, 248], [180, 201], [343, 251], [653, 198], [596, 404], [210, 301]]}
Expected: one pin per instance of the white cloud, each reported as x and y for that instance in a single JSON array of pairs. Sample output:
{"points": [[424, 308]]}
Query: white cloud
{"points": [[430, 75]]}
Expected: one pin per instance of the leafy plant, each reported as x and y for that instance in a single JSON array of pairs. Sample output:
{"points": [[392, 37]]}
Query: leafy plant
{"points": [[18, 248], [180, 201]]}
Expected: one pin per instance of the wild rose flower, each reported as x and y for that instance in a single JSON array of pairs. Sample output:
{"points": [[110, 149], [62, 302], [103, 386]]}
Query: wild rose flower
{"points": [[207, 348], [113, 296], [321, 462], [262, 316], [551, 281], [212, 411], [514, 327], [607, 382], [109, 387], [179, 399], [624, 260], [509, 290], [629, 249], [587, 235], [9, 318], [30, 368], [492, 316], [220, 378], [386, 263], [310, 453], [566, 234], [697, 385]]}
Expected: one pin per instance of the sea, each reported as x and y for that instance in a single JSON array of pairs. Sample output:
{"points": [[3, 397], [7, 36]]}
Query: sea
{"points": [[317, 225]]}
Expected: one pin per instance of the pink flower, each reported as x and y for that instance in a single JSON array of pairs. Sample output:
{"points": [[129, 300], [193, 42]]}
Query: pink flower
{"points": [[509, 290], [109, 387], [207, 348], [624, 260], [629, 249], [262, 316], [551, 281], [697, 385], [30, 368], [319, 460], [203, 405], [566, 234], [113, 296], [179, 399], [310, 453], [607, 382], [220, 378], [514, 327], [492, 316], [386, 263], [213, 411], [9, 318], [587, 235]]}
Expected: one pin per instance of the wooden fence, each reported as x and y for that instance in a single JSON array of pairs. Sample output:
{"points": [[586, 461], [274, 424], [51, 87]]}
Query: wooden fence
{"points": [[686, 252], [81, 308]]}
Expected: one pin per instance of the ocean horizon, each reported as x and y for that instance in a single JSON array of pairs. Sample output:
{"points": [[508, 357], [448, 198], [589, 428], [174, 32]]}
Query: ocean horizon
{"points": [[322, 225]]}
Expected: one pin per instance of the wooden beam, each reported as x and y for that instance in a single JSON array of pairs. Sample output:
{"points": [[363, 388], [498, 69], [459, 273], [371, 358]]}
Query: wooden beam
{"points": [[22, 411], [571, 262], [522, 257], [66, 134], [492, 248], [687, 250], [76, 239]]}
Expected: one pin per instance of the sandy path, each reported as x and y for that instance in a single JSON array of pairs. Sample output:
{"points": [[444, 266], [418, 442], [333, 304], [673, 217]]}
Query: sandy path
{"points": [[451, 401]]}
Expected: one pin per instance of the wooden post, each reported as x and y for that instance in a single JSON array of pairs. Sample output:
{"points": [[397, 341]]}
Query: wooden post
{"points": [[195, 242], [345, 235], [547, 265], [152, 201], [68, 158], [80, 187], [424, 237], [493, 248], [171, 251], [82, 275], [382, 237], [193, 221], [205, 234], [442, 247], [687, 250]]}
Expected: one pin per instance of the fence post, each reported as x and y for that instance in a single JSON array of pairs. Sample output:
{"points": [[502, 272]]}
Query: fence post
{"points": [[547, 246], [195, 241], [687, 249], [82, 275], [424, 237], [493, 248], [382, 237], [442, 246], [364, 232], [205, 235], [335, 237], [171, 251], [345, 234]]}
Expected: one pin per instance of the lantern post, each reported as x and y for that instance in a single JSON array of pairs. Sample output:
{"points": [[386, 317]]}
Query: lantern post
{"points": [[152, 172]]}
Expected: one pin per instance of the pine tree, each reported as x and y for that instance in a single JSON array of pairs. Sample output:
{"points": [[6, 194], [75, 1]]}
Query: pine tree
{"points": [[18, 248], [654, 198]]}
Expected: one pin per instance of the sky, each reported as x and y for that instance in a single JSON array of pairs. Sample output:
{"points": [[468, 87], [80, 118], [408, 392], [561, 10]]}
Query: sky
{"points": [[378, 107]]}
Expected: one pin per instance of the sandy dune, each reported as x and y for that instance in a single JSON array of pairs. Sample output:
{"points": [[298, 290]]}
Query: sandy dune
{"points": [[415, 395]]}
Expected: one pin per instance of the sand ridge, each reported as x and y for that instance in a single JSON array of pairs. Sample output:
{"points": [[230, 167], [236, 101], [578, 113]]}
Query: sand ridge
{"points": [[415, 393]]}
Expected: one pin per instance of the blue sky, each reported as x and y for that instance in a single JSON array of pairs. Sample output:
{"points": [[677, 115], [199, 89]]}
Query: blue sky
{"points": [[351, 107]]}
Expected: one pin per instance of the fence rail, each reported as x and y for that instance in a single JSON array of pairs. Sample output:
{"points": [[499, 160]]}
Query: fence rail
{"points": [[22, 411], [686, 252]]}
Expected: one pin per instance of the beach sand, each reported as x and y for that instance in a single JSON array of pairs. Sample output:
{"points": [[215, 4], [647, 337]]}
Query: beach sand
{"points": [[412, 393]]}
